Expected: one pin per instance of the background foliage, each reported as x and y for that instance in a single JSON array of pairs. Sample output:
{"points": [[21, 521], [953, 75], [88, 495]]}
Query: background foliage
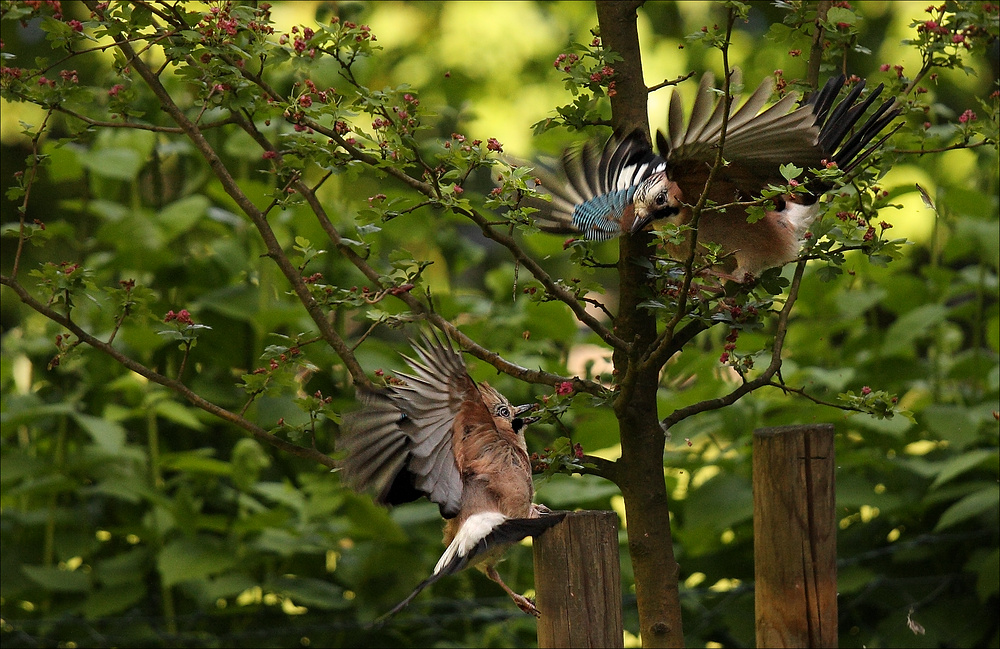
{"points": [[131, 517]]}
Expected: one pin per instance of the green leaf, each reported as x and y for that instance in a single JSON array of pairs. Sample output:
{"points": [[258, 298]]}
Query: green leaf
{"points": [[790, 171], [975, 504], [122, 568], [180, 216], [912, 326], [188, 559], [310, 592], [196, 461], [179, 414], [722, 502], [58, 580], [282, 493], [953, 423], [836, 15], [965, 462], [108, 435], [986, 564], [117, 164], [227, 585], [249, 459], [105, 602]]}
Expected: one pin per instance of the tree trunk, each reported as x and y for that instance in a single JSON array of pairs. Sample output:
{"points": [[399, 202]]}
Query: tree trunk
{"points": [[642, 439]]}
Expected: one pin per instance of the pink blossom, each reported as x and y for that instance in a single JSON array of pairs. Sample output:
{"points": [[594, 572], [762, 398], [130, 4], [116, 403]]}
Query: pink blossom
{"points": [[968, 116]]}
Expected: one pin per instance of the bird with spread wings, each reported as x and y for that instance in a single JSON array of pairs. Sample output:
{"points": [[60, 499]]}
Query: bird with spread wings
{"points": [[626, 186], [438, 434]]}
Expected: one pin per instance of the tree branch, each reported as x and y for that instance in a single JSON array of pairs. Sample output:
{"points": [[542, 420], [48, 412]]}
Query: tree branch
{"points": [[765, 377], [176, 386], [663, 348], [816, 50], [229, 184], [671, 82]]}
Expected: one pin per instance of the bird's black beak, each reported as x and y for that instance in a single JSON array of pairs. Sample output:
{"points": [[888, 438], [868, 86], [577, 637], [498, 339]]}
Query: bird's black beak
{"points": [[639, 224], [660, 213], [520, 422]]}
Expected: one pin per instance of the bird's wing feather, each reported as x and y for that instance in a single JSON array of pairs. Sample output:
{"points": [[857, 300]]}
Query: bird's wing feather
{"points": [[758, 140], [409, 428], [598, 186], [374, 441]]}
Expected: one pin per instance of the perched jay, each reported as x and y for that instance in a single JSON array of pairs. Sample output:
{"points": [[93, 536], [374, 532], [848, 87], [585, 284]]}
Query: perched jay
{"points": [[460, 444], [626, 186]]}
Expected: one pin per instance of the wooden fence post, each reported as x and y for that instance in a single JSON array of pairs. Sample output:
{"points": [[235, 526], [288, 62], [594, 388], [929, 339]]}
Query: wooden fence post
{"points": [[578, 582], [795, 536]]}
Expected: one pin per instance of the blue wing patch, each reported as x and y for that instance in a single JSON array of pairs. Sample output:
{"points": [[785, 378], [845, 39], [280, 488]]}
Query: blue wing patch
{"points": [[600, 218]]}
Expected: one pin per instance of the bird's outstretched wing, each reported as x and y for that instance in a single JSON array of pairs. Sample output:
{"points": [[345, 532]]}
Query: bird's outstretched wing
{"points": [[400, 442], [599, 183], [759, 141]]}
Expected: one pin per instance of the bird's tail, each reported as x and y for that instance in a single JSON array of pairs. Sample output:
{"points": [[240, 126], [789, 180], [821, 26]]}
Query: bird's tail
{"points": [[479, 533]]}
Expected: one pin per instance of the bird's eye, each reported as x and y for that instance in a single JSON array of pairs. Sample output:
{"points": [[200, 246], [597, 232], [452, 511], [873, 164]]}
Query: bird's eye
{"points": [[661, 199], [503, 411]]}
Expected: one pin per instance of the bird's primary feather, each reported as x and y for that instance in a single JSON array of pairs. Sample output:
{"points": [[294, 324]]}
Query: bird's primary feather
{"points": [[627, 185], [403, 432]]}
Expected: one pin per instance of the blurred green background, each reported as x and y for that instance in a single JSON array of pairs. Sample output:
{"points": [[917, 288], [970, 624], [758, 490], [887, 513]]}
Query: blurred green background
{"points": [[130, 518]]}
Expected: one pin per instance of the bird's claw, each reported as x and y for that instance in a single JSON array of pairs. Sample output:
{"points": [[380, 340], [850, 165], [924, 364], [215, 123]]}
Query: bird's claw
{"points": [[539, 510]]}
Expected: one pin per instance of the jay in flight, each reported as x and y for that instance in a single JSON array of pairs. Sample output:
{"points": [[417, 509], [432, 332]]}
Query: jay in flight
{"points": [[626, 186], [438, 434]]}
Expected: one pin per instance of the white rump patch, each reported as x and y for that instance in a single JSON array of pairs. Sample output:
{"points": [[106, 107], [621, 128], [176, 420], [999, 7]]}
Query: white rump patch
{"points": [[800, 217], [476, 528]]}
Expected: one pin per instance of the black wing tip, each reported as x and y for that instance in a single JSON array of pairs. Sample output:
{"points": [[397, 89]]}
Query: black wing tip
{"points": [[838, 121]]}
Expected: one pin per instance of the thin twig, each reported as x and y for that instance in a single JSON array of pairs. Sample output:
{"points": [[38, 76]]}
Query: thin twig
{"points": [[764, 379], [28, 183], [953, 147], [670, 82]]}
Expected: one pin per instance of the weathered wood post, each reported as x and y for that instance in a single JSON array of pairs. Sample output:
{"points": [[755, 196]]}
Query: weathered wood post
{"points": [[795, 538], [578, 582]]}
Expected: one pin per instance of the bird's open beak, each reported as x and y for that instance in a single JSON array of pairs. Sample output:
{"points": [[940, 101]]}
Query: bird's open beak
{"points": [[519, 410]]}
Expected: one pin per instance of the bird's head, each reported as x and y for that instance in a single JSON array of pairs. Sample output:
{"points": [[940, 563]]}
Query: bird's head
{"points": [[504, 414], [657, 197]]}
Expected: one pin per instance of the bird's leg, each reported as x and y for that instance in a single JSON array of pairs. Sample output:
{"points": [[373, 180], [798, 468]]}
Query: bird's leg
{"points": [[522, 602]]}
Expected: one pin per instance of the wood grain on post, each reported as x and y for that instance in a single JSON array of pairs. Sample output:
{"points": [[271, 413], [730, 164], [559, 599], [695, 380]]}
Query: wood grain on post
{"points": [[795, 539], [578, 582]]}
